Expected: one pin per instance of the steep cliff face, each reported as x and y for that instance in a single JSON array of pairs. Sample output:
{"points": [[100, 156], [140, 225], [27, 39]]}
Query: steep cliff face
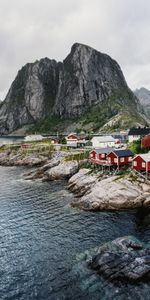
{"points": [[85, 79], [88, 78], [31, 96], [143, 95]]}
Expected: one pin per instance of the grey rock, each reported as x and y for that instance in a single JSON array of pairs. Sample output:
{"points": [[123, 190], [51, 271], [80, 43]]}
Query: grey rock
{"points": [[124, 259], [62, 171], [86, 78], [143, 95]]}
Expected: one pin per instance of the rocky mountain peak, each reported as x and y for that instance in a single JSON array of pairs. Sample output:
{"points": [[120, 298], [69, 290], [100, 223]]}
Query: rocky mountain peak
{"points": [[68, 89]]}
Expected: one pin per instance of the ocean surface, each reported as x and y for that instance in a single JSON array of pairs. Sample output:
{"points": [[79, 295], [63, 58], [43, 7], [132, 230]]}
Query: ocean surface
{"points": [[10, 139], [42, 238]]}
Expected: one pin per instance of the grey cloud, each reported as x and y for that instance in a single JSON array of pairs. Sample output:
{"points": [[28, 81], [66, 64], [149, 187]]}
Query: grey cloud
{"points": [[30, 30]]}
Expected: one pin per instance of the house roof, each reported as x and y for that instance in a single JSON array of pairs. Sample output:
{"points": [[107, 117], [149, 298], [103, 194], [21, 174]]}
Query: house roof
{"points": [[72, 133], [122, 153], [145, 156], [139, 131], [103, 150], [104, 138]]}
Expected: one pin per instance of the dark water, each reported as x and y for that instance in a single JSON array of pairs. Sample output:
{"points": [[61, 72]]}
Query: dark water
{"points": [[41, 237], [10, 139]]}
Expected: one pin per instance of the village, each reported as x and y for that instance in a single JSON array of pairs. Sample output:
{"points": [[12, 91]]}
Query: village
{"points": [[108, 154]]}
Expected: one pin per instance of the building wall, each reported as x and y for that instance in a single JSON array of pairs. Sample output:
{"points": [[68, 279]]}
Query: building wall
{"points": [[139, 164], [93, 154], [97, 144], [113, 159], [133, 138]]}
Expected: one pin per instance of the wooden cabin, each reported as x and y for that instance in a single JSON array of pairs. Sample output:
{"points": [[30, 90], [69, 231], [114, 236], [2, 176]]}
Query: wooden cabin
{"points": [[72, 137], [120, 157], [99, 155], [141, 162]]}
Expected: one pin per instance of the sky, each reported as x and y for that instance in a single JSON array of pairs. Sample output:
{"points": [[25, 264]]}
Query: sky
{"points": [[33, 29]]}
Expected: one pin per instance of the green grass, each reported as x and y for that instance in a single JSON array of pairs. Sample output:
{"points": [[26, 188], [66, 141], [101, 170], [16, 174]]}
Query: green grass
{"points": [[136, 148], [77, 157], [121, 101]]}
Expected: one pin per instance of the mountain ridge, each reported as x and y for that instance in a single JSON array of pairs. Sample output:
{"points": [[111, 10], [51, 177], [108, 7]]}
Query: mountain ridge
{"points": [[143, 94], [86, 79]]}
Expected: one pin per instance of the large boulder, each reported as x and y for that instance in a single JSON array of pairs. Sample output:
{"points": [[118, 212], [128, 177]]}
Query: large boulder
{"points": [[63, 170], [124, 259]]}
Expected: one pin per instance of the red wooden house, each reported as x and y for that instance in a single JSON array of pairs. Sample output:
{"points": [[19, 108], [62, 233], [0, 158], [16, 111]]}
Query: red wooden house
{"points": [[99, 156], [120, 157], [72, 137], [141, 162]]}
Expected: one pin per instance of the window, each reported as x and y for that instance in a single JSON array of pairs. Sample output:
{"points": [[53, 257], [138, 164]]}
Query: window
{"points": [[130, 158], [135, 163], [143, 164], [115, 160], [97, 156], [91, 155], [122, 159], [103, 155]]}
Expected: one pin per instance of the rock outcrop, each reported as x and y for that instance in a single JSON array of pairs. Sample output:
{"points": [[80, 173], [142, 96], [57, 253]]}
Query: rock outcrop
{"points": [[124, 259], [31, 96], [63, 171], [85, 79], [111, 193], [7, 158], [143, 95]]}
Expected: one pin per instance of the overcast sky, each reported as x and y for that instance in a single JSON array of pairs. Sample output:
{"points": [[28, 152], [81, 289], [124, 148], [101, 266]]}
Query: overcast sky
{"points": [[32, 29]]}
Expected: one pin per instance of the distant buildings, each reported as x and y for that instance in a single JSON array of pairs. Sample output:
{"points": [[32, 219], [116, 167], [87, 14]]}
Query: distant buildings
{"points": [[33, 137], [103, 141], [136, 134], [76, 141]]}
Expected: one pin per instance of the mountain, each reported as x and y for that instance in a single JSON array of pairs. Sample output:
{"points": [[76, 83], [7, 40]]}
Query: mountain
{"points": [[88, 87], [143, 95]]}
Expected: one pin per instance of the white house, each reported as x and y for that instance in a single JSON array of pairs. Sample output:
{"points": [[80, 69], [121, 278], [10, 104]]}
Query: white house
{"points": [[33, 137], [136, 134], [103, 141]]}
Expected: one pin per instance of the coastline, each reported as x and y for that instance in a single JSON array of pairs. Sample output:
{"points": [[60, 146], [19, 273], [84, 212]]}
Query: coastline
{"points": [[93, 192]]}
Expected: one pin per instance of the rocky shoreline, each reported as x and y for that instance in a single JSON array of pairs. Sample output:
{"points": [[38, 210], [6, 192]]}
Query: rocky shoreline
{"points": [[112, 193], [125, 259], [93, 192]]}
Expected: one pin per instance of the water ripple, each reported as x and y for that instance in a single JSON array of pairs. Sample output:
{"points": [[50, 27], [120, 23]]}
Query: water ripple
{"points": [[40, 236]]}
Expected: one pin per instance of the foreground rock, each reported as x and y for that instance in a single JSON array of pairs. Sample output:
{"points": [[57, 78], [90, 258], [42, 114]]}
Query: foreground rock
{"points": [[124, 259], [9, 159], [82, 182], [111, 193], [62, 171], [40, 173]]}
